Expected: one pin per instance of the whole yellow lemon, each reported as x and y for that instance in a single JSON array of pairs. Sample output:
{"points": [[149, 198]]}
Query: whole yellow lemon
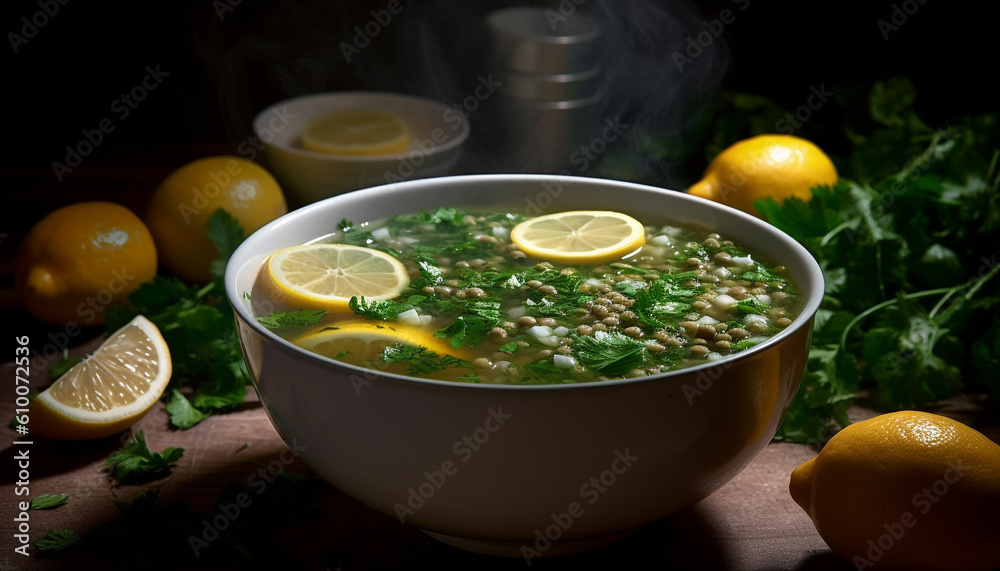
{"points": [[80, 259], [906, 490], [179, 209], [778, 166]]}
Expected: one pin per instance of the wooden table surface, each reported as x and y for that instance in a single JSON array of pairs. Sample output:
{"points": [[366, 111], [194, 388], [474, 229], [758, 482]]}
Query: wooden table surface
{"points": [[750, 524]]}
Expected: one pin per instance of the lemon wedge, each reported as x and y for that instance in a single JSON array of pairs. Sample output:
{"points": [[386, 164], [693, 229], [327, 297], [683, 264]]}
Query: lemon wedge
{"points": [[357, 132], [579, 237], [327, 276], [359, 342], [109, 390]]}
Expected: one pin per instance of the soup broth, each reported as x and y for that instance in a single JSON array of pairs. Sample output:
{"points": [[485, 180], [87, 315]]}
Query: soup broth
{"points": [[478, 309]]}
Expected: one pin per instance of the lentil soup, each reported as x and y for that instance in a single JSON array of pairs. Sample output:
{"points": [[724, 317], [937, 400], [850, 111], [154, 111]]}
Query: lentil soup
{"points": [[478, 309]]}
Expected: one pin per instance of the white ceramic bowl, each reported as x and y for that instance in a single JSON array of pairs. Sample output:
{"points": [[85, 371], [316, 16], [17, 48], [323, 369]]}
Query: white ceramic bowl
{"points": [[525, 471], [437, 136]]}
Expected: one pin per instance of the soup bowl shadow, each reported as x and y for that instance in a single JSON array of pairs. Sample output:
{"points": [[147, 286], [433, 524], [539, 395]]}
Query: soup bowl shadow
{"points": [[514, 470]]}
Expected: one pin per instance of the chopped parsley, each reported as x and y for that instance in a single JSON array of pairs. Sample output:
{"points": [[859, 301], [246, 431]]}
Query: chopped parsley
{"points": [[135, 462]]}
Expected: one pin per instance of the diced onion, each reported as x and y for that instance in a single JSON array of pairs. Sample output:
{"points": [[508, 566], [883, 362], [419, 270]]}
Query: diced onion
{"points": [[563, 361], [722, 273], [539, 331], [662, 240], [723, 301], [516, 312], [742, 260], [409, 317], [381, 233], [561, 331], [543, 334], [501, 232], [764, 298]]}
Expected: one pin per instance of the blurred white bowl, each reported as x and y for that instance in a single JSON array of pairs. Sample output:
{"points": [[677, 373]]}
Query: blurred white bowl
{"points": [[437, 134]]}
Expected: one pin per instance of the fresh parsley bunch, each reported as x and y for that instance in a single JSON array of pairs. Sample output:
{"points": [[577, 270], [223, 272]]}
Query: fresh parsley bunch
{"points": [[908, 242], [198, 325]]}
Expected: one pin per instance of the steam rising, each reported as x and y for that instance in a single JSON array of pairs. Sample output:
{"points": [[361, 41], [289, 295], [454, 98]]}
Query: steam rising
{"points": [[439, 49]]}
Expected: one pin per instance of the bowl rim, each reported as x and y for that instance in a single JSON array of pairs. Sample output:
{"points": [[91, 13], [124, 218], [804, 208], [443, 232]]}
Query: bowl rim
{"points": [[806, 315], [455, 141]]}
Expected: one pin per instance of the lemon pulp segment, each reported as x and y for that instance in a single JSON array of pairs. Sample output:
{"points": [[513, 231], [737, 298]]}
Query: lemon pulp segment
{"points": [[357, 132]]}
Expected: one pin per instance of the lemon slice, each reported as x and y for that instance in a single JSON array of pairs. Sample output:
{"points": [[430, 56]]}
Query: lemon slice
{"points": [[579, 237], [109, 390], [357, 132], [327, 276], [359, 342]]}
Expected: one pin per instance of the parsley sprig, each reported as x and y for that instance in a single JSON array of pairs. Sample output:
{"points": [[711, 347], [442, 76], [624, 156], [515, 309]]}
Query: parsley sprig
{"points": [[135, 462]]}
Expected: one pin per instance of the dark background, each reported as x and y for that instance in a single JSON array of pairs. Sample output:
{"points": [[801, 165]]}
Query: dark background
{"points": [[226, 60], [221, 72]]}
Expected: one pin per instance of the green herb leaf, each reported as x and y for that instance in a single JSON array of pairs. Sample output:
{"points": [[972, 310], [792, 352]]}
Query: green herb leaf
{"points": [[608, 353], [182, 413], [421, 360], [135, 461], [292, 319], [49, 501], [226, 234], [353, 235], [57, 542], [382, 310]]}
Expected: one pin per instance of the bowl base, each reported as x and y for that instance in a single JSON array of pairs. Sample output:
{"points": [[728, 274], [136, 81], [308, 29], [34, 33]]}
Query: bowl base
{"points": [[527, 549]]}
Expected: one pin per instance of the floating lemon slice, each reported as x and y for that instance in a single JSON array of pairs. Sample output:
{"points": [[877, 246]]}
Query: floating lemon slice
{"points": [[579, 237], [109, 390], [359, 342], [357, 132], [327, 276]]}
